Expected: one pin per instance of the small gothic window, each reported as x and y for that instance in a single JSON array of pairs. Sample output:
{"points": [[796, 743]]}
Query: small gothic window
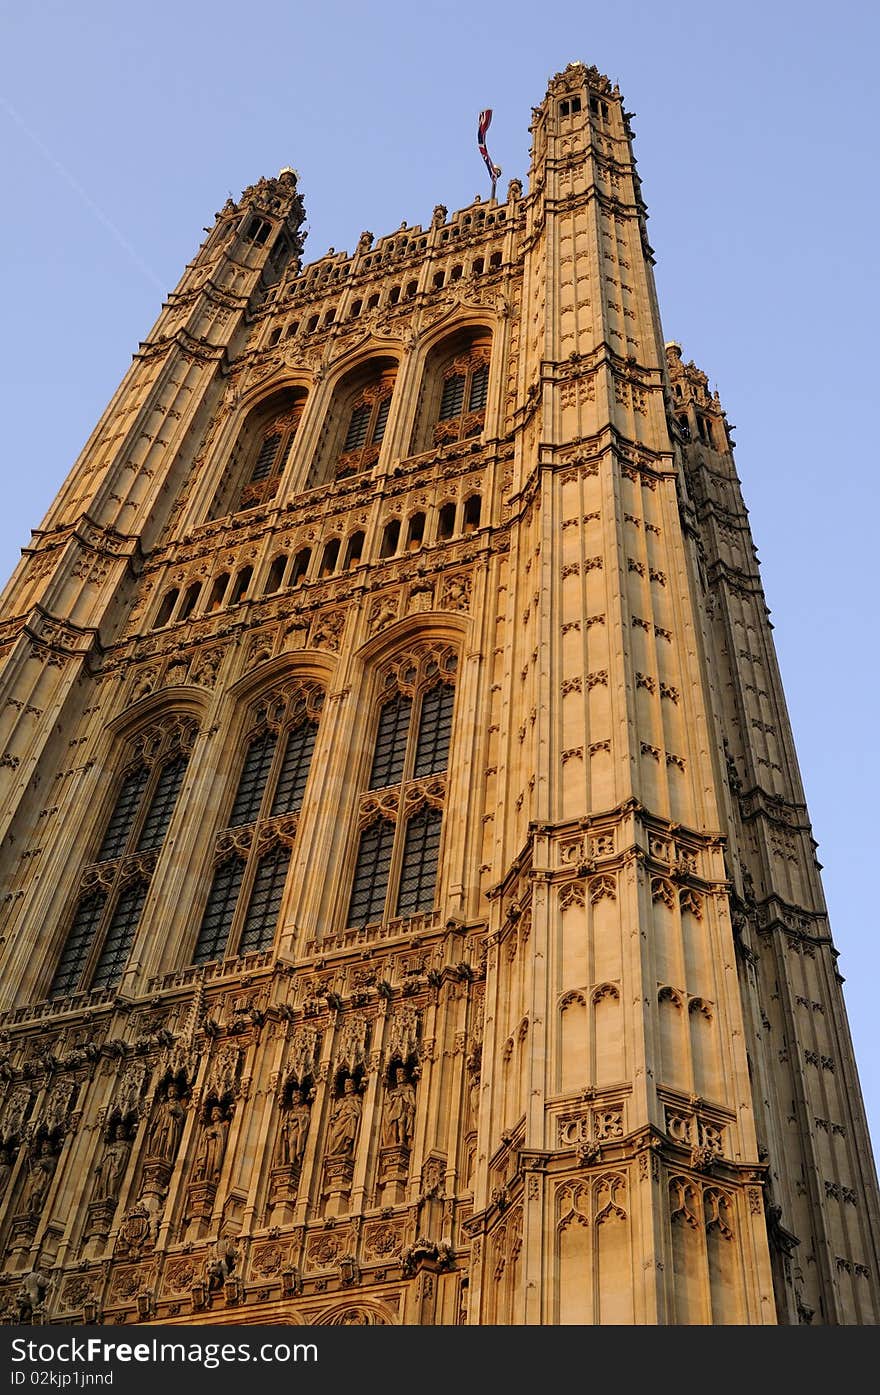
{"points": [[242, 582], [257, 764], [354, 550], [391, 738], [372, 868], [190, 599], [472, 513], [415, 532], [446, 522], [276, 574], [300, 566], [330, 558], [390, 538], [169, 600], [454, 396], [218, 592], [418, 874]]}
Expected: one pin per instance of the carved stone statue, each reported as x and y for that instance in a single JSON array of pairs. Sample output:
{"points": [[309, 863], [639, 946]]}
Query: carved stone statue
{"points": [[167, 1126], [219, 1264], [40, 1174], [6, 1162], [209, 1159], [108, 1173], [294, 1128], [400, 1112], [344, 1122], [32, 1293]]}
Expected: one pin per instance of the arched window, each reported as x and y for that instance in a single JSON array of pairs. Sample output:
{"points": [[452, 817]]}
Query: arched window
{"points": [[169, 601], [252, 852], [452, 403], [300, 566], [260, 455], [276, 574], [356, 422], [114, 887], [446, 522], [390, 538], [396, 864]]}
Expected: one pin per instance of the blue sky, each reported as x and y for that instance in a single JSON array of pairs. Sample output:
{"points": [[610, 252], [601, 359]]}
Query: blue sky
{"points": [[123, 129]]}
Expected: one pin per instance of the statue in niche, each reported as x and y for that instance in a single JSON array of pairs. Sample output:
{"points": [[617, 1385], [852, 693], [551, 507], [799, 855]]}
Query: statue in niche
{"points": [[294, 1128], [7, 1159], [209, 1159], [400, 1111], [344, 1122], [167, 1126], [109, 1171], [41, 1170]]}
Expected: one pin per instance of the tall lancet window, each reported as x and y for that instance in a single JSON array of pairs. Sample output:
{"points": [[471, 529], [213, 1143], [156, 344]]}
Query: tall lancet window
{"points": [[252, 852], [401, 814], [113, 887]]}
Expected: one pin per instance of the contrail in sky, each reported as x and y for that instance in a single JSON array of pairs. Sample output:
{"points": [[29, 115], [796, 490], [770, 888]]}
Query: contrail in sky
{"points": [[84, 195]]}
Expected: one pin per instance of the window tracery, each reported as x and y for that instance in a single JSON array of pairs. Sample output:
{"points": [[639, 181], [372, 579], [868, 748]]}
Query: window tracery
{"points": [[113, 888], [400, 815], [252, 852]]}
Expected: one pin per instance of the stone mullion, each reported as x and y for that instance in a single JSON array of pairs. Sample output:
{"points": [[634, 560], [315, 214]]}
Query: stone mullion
{"points": [[177, 858], [327, 819]]}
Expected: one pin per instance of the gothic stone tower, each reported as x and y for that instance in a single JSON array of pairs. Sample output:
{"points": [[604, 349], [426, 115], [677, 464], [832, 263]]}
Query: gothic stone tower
{"points": [[410, 910]]}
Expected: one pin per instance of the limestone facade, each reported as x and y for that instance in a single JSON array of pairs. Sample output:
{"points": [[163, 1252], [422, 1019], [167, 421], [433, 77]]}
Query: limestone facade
{"points": [[410, 913]]}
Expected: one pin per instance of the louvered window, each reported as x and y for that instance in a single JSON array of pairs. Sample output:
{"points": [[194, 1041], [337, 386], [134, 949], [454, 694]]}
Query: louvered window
{"points": [[260, 464], [366, 427], [357, 427], [479, 389], [452, 400], [104, 920], [463, 396], [247, 888]]}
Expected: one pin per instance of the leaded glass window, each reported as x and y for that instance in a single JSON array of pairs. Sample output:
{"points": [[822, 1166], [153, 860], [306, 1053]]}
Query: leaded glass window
{"points": [[398, 852], [106, 914], [246, 892]]}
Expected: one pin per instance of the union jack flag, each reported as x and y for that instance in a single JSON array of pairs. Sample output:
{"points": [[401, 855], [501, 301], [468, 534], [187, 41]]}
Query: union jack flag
{"points": [[485, 118]]}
